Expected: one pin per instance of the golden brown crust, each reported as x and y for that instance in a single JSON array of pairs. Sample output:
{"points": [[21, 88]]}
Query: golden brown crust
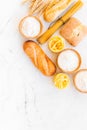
{"points": [[20, 27], [39, 58], [55, 8], [74, 31], [80, 61], [74, 80]]}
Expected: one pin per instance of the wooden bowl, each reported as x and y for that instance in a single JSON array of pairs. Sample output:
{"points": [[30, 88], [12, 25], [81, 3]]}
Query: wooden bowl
{"points": [[78, 66], [74, 80], [21, 24]]}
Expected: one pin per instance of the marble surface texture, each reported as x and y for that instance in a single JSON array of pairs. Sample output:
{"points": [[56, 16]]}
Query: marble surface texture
{"points": [[29, 100]]}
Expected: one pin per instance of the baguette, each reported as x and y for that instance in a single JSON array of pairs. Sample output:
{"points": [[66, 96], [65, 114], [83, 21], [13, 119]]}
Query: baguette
{"points": [[39, 58], [54, 9]]}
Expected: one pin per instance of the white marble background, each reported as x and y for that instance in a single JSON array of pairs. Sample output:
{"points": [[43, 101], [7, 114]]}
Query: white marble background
{"points": [[28, 100]]}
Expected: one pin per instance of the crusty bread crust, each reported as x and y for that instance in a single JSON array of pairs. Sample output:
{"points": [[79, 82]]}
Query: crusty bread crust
{"points": [[74, 31]]}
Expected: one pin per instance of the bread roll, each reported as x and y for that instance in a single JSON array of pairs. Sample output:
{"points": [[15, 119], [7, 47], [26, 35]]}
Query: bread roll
{"points": [[39, 58], [74, 31]]}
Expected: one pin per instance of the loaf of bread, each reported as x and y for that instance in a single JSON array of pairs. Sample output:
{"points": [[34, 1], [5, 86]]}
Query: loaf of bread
{"points": [[39, 58], [74, 31], [55, 8]]}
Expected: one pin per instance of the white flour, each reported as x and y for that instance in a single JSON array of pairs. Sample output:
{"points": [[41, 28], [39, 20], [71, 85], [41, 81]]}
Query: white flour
{"points": [[68, 60], [31, 27], [81, 80]]}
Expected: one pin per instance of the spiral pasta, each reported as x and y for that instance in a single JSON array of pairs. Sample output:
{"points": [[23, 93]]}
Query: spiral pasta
{"points": [[61, 80], [56, 44]]}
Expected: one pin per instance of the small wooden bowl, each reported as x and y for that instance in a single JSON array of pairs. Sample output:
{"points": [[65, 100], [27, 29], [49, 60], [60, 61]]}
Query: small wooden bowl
{"points": [[79, 64], [21, 23], [74, 80]]}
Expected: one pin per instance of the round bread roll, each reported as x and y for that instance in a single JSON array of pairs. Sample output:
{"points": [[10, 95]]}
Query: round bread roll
{"points": [[80, 81], [69, 60]]}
